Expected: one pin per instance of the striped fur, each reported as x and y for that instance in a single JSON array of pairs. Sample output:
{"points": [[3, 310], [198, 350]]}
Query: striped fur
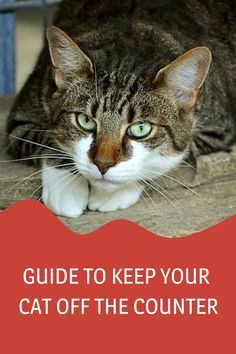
{"points": [[128, 42]]}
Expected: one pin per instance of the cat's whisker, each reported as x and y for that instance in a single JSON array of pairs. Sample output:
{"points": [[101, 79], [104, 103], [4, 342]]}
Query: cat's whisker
{"points": [[64, 149], [153, 202], [181, 183], [76, 179], [80, 178], [154, 181], [149, 196], [187, 165], [183, 161], [38, 188], [38, 144], [35, 191], [64, 157], [162, 188], [38, 130], [141, 199], [39, 171], [133, 185], [41, 185], [190, 189], [60, 180], [181, 166], [161, 193]]}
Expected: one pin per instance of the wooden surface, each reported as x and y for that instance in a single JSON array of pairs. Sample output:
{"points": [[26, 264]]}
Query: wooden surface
{"points": [[210, 199]]}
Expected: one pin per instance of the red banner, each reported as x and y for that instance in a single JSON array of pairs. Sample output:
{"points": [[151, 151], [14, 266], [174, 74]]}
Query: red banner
{"points": [[119, 289]]}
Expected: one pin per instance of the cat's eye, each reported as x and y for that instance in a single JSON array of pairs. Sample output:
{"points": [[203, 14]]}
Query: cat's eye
{"points": [[140, 130], [85, 122]]}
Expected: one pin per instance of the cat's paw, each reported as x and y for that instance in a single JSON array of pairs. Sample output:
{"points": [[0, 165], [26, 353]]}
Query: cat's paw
{"points": [[109, 201], [63, 194]]}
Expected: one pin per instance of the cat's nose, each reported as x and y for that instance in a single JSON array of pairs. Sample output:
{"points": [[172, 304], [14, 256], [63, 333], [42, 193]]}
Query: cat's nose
{"points": [[103, 166]]}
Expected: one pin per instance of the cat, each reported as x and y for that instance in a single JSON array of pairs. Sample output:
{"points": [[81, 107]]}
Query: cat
{"points": [[121, 94]]}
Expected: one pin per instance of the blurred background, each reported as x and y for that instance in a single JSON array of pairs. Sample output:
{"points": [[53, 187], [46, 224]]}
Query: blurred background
{"points": [[22, 30]]}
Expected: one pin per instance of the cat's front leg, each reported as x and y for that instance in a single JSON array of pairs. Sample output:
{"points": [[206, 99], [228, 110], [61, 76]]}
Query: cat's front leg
{"points": [[63, 192], [121, 198]]}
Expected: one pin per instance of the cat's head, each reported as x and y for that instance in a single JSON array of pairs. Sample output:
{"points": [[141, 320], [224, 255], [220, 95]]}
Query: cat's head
{"points": [[119, 126]]}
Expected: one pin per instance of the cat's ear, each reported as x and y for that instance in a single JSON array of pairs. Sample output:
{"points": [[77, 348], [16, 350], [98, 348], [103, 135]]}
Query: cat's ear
{"points": [[185, 75], [67, 58]]}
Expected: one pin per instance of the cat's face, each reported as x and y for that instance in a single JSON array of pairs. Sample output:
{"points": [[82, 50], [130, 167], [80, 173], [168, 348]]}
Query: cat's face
{"points": [[116, 146], [119, 127]]}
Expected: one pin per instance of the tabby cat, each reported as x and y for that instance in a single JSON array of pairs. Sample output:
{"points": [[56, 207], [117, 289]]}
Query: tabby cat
{"points": [[115, 100]]}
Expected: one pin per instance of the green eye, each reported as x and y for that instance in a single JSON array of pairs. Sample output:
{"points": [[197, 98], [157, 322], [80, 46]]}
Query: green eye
{"points": [[140, 130], [85, 122]]}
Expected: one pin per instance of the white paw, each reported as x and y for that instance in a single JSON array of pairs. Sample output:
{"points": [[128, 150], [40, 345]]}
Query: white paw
{"points": [[63, 193], [109, 201]]}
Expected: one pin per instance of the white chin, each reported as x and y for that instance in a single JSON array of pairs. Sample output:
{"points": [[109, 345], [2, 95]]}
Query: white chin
{"points": [[105, 185]]}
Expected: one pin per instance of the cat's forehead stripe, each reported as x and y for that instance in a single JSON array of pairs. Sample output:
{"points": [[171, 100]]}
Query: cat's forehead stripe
{"points": [[116, 97]]}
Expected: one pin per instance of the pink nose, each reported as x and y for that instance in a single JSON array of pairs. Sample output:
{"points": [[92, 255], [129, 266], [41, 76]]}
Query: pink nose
{"points": [[103, 166]]}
